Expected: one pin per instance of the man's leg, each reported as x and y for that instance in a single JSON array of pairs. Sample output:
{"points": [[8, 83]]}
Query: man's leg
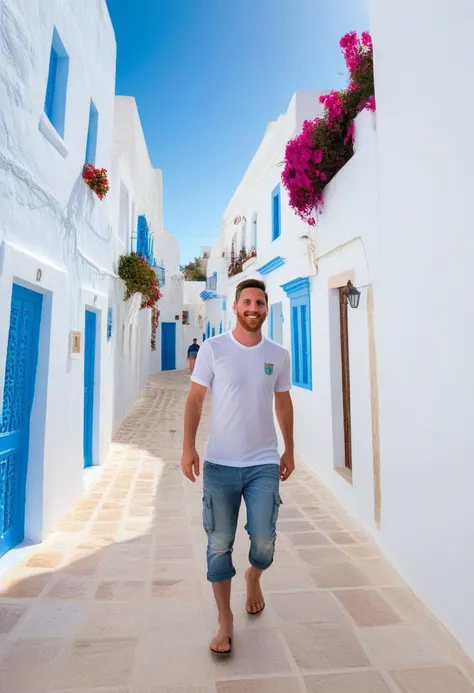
{"points": [[221, 504], [261, 494]]}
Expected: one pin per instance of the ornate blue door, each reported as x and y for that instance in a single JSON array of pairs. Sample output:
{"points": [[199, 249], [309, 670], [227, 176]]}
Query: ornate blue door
{"points": [[168, 346], [89, 377], [18, 393]]}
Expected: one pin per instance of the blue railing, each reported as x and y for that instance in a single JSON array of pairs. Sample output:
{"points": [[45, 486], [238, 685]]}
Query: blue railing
{"points": [[160, 274], [145, 245], [211, 282]]}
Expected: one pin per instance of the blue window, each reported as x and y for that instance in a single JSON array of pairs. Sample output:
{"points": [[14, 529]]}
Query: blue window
{"points": [[56, 89], [298, 291], [224, 304], [91, 147], [109, 323], [276, 213]]}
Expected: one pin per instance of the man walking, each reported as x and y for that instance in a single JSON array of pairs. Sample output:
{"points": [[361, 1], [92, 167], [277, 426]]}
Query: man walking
{"points": [[192, 354], [246, 374]]}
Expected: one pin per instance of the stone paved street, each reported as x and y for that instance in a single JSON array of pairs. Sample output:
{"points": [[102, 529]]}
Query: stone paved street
{"points": [[116, 601]]}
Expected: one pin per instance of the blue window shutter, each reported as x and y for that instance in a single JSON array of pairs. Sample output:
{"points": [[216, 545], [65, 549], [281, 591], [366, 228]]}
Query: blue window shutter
{"points": [[295, 329], [91, 147], [276, 213], [51, 86], [298, 291]]}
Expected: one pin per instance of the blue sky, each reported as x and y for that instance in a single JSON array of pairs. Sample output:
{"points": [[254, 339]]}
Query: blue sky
{"points": [[208, 75]]}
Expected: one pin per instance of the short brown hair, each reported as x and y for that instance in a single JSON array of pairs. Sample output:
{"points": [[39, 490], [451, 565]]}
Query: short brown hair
{"points": [[251, 284]]}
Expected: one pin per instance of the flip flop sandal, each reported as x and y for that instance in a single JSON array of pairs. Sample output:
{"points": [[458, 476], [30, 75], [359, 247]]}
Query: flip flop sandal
{"points": [[255, 613], [223, 654]]}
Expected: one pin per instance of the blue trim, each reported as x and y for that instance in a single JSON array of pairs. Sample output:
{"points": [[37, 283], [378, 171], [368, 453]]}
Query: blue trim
{"points": [[109, 323], [91, 146], [209, 295], [276, 213], [56, 86], [89, 378], [51, 84], [272, 265], [297, 287], [19, 387]]}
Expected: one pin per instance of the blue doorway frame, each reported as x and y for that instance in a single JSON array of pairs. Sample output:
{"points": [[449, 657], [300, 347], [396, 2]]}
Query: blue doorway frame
{"points": [[168, 346], [90, 335], [18, 395]]}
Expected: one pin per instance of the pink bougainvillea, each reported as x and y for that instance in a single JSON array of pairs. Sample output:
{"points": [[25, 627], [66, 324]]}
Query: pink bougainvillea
{"points": [[325, 144]]}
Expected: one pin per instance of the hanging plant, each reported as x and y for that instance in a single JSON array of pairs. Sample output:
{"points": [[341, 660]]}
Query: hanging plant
{"points": [[139, 278], [96, 179], [325, 145], [155, 317]]}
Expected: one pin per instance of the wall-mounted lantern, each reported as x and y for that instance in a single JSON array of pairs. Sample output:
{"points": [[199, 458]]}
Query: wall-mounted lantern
{"points": [[352, 294]]}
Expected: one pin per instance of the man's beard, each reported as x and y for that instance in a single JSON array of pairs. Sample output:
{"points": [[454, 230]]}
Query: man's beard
{"points": [[250, 325]]}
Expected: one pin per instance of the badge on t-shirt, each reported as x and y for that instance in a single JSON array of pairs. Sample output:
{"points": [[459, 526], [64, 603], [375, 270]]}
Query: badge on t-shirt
{"points": [[269, 368]]}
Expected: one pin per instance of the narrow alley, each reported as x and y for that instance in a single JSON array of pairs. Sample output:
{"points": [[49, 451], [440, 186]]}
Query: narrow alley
{"points": [[116, 601]]}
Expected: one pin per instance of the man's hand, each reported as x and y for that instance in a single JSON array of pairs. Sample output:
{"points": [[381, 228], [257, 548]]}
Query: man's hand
{"points": [[190, 464], [287, 465]]}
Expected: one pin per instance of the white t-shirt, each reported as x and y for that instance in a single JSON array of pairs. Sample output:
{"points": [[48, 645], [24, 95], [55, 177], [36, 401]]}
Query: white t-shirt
{"points": [[242, 381]]}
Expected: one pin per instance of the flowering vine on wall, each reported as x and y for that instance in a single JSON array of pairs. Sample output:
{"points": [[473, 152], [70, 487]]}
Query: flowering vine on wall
{"points": [[155, 317], [326, 143], [96, 179]]}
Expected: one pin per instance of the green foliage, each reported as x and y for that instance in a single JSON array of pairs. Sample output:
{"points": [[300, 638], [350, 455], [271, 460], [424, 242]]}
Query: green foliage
{"points": [[137, 274]]}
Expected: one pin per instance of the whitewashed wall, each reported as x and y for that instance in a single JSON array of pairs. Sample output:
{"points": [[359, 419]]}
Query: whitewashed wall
{"points": [[423, 299], [345, 239], [49, 220]]}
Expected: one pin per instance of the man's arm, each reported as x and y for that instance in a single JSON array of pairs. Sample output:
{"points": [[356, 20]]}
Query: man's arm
{"points": [[284, 413], [192, 417]]}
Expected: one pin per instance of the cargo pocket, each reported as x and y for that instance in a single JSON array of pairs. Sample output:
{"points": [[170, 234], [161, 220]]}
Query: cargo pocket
{"points": [[207, 514], [276, 508]]}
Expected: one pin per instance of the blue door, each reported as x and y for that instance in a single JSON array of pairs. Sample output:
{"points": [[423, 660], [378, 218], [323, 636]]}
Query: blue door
{"points": [[19, 390], [220, 327], [168, 346], [89, 377], [213, 332]]}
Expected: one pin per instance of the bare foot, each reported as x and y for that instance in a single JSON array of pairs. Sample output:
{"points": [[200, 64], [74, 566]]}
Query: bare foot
{"points": [[221, 643], [255, 602]]}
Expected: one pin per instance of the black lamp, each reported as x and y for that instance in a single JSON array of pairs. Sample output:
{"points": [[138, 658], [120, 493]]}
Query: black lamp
{"points": [[353, 295]]}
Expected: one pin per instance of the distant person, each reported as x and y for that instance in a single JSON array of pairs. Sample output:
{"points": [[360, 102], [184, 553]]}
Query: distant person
{"points": [[192, 354]]}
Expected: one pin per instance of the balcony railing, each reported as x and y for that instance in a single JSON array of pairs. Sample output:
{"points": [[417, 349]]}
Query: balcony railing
{"points": [[145, 245], [237, 261], [160, 274], [211, 282]]}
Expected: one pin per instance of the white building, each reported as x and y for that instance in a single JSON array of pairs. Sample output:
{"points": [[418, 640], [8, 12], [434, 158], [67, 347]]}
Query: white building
{"points": [[382, 393], [64, 326], [138, 208]]}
